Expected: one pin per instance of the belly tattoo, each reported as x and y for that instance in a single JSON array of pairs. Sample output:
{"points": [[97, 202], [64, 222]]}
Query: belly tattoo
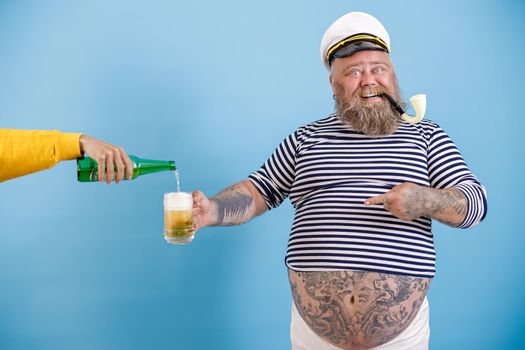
{"points": [[357, 309]]}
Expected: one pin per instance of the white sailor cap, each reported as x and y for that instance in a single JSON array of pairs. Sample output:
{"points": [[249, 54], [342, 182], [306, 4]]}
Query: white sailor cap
{"points": [[353, 32]]}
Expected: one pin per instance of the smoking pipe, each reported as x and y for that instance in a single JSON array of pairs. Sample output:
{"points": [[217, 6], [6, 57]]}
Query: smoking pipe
{"points": [[419, 104]]}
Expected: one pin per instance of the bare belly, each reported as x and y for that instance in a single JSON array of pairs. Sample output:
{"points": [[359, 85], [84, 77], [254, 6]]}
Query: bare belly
{"points": [[357, 309]]}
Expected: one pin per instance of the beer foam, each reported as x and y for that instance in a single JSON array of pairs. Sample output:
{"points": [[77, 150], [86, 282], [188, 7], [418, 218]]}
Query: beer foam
{"points": [[178, 201]]}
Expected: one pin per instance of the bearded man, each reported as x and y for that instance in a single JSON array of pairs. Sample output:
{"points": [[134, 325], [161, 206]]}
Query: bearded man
{"points": [[365, 186]]}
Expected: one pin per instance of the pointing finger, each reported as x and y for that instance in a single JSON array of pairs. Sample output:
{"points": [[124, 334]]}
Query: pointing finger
{"points": [[381, 199]]}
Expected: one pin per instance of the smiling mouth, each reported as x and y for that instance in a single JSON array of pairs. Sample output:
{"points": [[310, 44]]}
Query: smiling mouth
{"points": [[371, 96], [369, 93]]}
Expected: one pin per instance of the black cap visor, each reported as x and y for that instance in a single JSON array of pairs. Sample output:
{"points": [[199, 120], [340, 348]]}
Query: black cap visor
{"points": [[352, 48]]}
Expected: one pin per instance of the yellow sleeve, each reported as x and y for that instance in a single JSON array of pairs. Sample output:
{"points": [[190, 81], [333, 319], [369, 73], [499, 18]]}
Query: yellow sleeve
{"points": [[24, 152]]}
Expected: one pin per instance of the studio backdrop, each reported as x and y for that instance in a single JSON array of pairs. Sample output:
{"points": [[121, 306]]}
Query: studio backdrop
{"points": [[215, 86]]}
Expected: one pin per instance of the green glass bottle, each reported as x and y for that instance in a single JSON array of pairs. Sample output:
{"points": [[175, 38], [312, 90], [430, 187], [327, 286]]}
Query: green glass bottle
{"points": [[87, 168]]}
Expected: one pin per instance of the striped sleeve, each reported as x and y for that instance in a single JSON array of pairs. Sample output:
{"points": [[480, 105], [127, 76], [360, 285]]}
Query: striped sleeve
{"points": [[275, 178], [448, 169]]}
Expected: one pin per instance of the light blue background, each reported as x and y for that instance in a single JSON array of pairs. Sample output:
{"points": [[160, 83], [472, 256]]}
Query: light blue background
{"points": [[216, 86]]}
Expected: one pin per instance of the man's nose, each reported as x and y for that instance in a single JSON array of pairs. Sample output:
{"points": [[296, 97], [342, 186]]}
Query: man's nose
{"points": [[367, 79]]}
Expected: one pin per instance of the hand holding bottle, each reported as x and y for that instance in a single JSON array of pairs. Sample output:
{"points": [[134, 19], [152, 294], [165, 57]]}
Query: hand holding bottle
{"points": [[111, 159]]}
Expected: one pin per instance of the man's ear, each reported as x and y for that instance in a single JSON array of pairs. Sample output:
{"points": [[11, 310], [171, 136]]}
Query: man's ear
{"points": [[331, 83]]}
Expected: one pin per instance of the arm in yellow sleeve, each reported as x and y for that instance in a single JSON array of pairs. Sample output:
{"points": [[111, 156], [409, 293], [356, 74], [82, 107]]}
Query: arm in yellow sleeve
{"points": [[24, 152]]}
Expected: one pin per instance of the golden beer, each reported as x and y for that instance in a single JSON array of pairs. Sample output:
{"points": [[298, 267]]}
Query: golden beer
{"points": [[178, 217]]}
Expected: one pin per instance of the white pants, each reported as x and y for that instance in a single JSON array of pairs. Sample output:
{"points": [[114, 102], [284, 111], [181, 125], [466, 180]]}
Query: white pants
{"points": [[415, 337]]}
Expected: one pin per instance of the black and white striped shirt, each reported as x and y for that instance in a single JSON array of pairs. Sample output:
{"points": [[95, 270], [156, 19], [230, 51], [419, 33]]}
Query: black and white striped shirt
{"points": [[328, 170]]}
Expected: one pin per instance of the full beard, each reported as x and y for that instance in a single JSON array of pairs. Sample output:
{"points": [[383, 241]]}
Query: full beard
{"points": [[377, 119]]}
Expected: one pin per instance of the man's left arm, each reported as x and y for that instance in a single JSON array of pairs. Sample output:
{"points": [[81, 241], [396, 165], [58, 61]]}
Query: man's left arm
{"points": [[454, 197], [409, 201]]}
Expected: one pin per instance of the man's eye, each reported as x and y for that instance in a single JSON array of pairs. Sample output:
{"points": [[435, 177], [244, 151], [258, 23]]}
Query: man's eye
{"points": [[354, 73], [379, 70]]}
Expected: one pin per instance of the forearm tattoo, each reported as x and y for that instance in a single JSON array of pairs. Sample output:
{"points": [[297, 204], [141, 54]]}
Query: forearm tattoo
{"points": [[418, 203], [357, 310], [450, 206], [234, 207]]}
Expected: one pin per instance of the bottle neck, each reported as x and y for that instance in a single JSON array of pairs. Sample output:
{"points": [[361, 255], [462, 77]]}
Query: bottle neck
{"points": [[149, 166]]}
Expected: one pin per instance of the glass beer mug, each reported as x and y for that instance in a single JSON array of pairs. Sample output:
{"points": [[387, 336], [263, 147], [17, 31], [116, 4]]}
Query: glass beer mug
{"points": [[178, 217]]}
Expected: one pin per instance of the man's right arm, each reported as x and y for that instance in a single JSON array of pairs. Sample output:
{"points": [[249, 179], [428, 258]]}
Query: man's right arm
{"points": [[234, 205]]}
